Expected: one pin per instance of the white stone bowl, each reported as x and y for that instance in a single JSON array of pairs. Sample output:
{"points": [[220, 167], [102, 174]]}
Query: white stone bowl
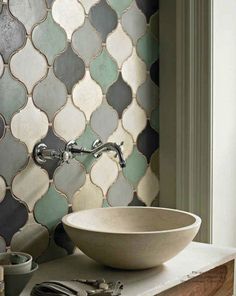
{"points": [[131, 237]]}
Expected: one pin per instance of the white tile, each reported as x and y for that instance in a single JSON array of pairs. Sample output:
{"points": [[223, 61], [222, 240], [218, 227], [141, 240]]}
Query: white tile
{"points": [[148, 187], [28, 65], [2, 188], [87, 4], [87, 95], [88, 197], [119, 45], [30, 184], [69, 123], [104, 172], [134, 71], [30, 125], [1, 65], [134, 119], [69, 14]]}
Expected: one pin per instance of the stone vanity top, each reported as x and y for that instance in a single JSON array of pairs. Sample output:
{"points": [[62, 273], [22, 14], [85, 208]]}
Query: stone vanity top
{"points": [[194, 260]]}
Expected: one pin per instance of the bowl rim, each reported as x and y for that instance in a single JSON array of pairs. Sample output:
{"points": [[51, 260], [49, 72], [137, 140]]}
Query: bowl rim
{"points": [[196, 224], [10, 266]]}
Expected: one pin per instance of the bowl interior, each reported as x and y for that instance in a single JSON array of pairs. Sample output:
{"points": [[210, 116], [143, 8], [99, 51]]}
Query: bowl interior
{"points": [[130, 219]]}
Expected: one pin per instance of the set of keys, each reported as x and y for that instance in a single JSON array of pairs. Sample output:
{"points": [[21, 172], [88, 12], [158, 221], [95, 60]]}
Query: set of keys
{"points": [[79, 287]]}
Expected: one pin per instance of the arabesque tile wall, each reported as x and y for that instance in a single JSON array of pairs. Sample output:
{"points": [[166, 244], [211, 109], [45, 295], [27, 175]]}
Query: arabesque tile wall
{"points": [[75, 70]]}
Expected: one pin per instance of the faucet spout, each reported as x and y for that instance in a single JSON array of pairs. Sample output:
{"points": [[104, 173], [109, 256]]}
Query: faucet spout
{"points": [[100, 148]]}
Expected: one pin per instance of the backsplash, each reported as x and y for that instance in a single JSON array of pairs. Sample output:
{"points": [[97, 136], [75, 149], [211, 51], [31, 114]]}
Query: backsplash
{"points": [[75, 70]]}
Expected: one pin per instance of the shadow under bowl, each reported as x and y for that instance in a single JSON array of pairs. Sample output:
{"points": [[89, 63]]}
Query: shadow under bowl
{"points": [[15, 283]]}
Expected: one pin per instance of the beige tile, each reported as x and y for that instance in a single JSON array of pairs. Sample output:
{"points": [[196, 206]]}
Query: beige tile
{"points": [[69, 14], [148, 187], [28, 65], [88, 197], [134, 71], [29, 125], [2, 188], [119, 45], [87, 4], [134, 119], [104, 172], [69, 123], [30, 184], [33, 238], [121, 135], [87, 95]]}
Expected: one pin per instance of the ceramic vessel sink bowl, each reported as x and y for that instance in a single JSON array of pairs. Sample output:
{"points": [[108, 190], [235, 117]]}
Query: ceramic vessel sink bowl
{"points": [[131, 237]]}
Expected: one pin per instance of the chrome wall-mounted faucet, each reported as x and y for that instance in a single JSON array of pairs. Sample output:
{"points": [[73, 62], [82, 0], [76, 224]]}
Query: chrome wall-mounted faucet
{"points": [[42, 153]]}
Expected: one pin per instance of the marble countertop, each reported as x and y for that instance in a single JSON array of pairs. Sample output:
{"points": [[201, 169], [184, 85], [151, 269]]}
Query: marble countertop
{"points": [[194, 260]]}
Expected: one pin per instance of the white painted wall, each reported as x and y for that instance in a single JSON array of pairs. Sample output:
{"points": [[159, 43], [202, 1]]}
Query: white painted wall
{"points": [[224, 122]]}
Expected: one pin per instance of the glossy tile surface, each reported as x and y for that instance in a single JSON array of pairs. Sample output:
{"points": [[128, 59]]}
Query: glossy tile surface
{"points": [[1, 65], [12, 34], [2, 188], [14, 154], [49, 209], [86, 42], [120, 193], [69, 68], [29, 12], [28, 65], [11, 208], [104, 121], [114, 40], [134, 23], [75, 179], [30, 184], [50, 94], [88, 197], [2, 127], [87, 4], [69, 123], [33, 122], [49, 38], [103, 18], [149, 7], [119, 6], [13, 95], [119, 95], [134, 119], [87, 95], [69, 14], [104, 172], [104, 70]]}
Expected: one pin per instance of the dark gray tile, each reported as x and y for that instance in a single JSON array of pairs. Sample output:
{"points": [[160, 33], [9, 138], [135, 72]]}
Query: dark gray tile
{"points": [[136, 202], [148, 141], [10, 208], [148, 7], [49, 3], [12, 34], [154, 72], [14, 156], [69, 68], [119, 95], [103, 18], [62, 239], [53, 142], [50, 94], [2, 127]]}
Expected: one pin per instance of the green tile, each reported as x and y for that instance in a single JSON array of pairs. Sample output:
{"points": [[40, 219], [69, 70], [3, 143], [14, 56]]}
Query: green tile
{"points": [[135, 167], [49, 38], [119, 6], [104, 70], [13, 95], [86, 141], [51, 208], [147, 48]]}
